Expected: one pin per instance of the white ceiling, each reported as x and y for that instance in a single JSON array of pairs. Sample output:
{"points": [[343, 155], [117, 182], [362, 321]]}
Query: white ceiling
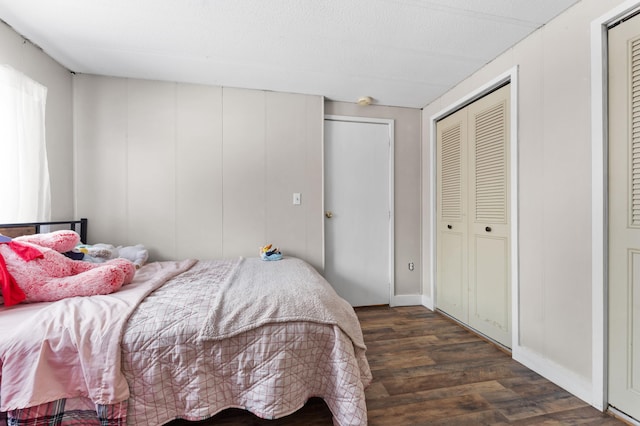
{"points": [[399, 52]]}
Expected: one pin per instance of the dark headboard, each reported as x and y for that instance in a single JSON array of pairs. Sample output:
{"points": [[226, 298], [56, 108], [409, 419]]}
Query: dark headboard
{"points": [[13, 230]]}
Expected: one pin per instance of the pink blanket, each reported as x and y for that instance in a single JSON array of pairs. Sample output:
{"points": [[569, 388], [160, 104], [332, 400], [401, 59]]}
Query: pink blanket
{"points": [[47, 349]]}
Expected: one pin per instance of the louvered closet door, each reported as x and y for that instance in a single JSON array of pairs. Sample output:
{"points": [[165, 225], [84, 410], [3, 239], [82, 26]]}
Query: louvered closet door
{"points": [[473, 245], [452, 236], [624, 217], [489, 248]]}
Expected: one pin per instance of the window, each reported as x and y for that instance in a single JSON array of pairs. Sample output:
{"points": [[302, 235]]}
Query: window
{"points": [[25, 193]]}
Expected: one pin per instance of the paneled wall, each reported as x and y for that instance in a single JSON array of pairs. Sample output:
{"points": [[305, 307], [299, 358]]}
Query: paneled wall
{"points": [[198, 171]]}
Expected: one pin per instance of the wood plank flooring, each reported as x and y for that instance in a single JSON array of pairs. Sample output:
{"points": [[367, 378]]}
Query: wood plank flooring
{"points": [[428, 370]]}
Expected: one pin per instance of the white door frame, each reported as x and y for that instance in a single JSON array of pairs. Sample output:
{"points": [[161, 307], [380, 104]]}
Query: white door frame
{"points": [[510, 76], [390, 126], [599, 197]]}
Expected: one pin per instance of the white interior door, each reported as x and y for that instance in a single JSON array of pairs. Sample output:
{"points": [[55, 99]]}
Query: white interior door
{"points": [[624, 217], [358, 214]]}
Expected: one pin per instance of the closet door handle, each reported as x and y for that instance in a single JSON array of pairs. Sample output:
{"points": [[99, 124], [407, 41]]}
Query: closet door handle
{"points": [[449, 227], [488, 229]]}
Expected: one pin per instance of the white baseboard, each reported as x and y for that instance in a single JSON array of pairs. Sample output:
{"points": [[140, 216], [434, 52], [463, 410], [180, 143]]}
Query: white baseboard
{"points": [[427, 302], [406, 300], [561, 376]]}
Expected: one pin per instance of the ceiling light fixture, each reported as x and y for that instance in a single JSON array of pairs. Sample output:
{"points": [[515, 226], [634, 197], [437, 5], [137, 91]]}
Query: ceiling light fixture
{"points": [[365, 100]]}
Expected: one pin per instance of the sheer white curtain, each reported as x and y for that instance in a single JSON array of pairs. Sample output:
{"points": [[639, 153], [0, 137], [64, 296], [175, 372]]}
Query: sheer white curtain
{"points": [[25, 193]]}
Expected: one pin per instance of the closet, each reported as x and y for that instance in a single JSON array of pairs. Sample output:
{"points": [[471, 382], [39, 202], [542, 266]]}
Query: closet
{"points": [[624, 216], [473, 220]]}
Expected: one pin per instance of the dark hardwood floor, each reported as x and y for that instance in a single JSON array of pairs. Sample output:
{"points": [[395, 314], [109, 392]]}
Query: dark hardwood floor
{"points": [[428, 370]]}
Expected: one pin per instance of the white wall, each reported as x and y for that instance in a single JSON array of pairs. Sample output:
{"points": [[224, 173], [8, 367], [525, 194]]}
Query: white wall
{"points": [[29, 59], [407, 191], [198, 171], [554, 142]]}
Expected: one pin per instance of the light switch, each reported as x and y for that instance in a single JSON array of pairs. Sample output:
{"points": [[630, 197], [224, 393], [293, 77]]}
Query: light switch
{"points": [[296, 198]]}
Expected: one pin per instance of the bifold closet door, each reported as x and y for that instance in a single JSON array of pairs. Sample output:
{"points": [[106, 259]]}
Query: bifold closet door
{"points": [[624, 217], [452, 234], [473, 257], [489, 243]]}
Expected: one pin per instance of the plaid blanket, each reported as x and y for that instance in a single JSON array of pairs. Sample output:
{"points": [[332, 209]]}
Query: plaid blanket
{"points": [[68, 412]]}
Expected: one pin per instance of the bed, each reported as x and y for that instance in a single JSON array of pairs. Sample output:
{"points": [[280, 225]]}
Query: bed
{"points": [[186, 339]]}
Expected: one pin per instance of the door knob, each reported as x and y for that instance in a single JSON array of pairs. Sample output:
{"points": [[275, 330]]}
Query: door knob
{"points": [[488, 229], [328, 214], [449, 227]]}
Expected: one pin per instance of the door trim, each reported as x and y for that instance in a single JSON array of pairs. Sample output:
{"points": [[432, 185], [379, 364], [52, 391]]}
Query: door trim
{"points": [[599, 197], [390, 127], [510, 76]]}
